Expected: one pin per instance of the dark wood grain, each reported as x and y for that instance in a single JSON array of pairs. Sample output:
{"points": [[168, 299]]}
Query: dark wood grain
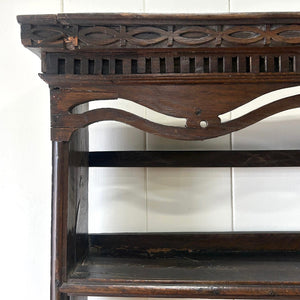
{"points": [[195, 67], [84, 81], [82, 31], [171, 100], [78, 198], [67, 124], [215, 291], [238, 268], [59, 229], [69, 208], [191, 245], [213, 276], [279, 158], [132, 18], [77, 242]]}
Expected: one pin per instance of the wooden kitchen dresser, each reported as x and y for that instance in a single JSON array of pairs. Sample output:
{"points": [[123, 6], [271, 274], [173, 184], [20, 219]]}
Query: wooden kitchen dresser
{"points": [[195, 67]]}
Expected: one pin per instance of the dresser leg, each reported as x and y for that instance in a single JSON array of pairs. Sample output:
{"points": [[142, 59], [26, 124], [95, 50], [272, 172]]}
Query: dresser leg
{"points": [[69, 210], [60, 165]]}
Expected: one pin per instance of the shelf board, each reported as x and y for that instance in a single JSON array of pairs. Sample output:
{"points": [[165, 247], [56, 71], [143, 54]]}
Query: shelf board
{"points": [[231, 275], [264, 158], [189, 265]]}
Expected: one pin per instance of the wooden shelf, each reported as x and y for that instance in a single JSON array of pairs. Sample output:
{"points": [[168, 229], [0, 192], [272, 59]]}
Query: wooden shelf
{"points": [[218, 276], [192, 67], [283, 158], [213, 265]]}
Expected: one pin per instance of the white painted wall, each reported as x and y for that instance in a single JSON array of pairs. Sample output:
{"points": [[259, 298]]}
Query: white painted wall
{"points": [[125, 200]]}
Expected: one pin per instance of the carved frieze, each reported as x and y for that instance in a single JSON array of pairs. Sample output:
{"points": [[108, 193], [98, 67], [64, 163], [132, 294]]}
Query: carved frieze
{"points": [[162, 36]]}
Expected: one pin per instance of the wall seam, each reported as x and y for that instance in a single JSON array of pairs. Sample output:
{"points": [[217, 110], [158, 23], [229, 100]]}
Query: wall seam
{"points": [[146, 197], [232, 186], [144, 6], [62, 6], [146, 148], [232, 183], [146, 175]]}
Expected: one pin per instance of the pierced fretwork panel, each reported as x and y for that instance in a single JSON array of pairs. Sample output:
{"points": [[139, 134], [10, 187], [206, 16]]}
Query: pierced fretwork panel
{"points": [[201, 106], [160, 64]]}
